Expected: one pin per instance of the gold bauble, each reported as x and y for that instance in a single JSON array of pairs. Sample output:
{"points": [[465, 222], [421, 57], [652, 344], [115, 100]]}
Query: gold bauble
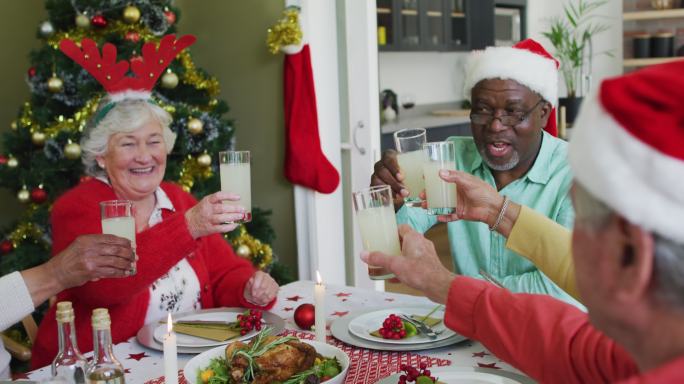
{"points": [[243, 251], [82, 21], [72, 151], [131, 14], [55, 84], [24, 195], [169, 80], [14, 125], [38, 138], [204, 160], [195, 126], [12, 162]]}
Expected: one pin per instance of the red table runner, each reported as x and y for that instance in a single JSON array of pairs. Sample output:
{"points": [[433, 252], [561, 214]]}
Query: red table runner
{"points": [[365, 365]]}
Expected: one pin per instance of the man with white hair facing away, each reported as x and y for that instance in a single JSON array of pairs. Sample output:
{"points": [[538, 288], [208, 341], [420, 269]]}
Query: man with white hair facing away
{"points": [[628, 249]]}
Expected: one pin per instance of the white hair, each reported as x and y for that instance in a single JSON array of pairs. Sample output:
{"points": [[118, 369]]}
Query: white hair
{"points": [[668, 258], [125, 116]]}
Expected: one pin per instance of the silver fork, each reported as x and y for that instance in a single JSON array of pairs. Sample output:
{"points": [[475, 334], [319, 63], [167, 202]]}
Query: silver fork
{"points": [[422, 327]]}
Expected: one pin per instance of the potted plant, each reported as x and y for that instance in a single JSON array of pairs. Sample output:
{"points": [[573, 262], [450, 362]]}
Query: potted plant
{"points": [[571, 36]]}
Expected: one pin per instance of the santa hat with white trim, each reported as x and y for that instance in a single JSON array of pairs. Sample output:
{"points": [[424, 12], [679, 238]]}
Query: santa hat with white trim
{"points": [[628, 147], [527, 62]]}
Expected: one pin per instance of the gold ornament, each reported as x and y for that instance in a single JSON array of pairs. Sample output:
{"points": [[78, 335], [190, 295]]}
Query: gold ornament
{"points": [[204, 160], [243, 251], [169, 80], [131, 14], [24, 195], [13, 125], [195, 126], [38, 138], [82, 21], [286, 31], [72, 151], [55, 84], [12, 162]]}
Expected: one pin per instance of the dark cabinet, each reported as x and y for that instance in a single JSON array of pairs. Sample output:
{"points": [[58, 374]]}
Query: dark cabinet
{"points": [[435, 25]]}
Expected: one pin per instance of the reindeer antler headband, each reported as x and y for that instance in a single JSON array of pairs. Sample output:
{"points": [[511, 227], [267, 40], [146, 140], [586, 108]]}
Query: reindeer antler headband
{"points": [[112, 74]]}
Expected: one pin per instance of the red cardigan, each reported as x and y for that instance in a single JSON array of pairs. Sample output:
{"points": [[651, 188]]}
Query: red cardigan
{"points": [[549, 340], [222, 275]]}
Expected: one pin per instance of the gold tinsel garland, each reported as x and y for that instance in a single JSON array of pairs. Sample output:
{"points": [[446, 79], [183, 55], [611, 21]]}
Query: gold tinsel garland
{"points": [[193, 77], [191, 170], [25, 231], [286, 31], [260, 254], [113, 27], [76, 123]]}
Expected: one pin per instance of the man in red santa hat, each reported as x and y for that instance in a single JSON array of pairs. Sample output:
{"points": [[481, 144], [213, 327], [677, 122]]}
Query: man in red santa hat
{"points": [[627, 155], [513, 147]]}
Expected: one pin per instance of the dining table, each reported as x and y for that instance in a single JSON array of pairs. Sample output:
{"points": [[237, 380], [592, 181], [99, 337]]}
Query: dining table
{"points": [[144, 365]]}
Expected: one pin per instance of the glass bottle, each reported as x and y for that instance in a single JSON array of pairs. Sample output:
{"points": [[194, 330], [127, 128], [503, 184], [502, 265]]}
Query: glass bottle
{"points": [[105, 368], [69, 364]]}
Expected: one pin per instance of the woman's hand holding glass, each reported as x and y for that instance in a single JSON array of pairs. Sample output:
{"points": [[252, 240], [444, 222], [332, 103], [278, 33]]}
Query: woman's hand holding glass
{"points": [[260, 289], [211, 215]]}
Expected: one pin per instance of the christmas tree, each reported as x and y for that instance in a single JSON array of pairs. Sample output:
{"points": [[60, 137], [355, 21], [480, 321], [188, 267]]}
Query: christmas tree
{"points": [[42, 158]]}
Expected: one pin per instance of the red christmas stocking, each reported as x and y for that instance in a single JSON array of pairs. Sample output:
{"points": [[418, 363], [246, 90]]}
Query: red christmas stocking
{"points": [[305, 163]]}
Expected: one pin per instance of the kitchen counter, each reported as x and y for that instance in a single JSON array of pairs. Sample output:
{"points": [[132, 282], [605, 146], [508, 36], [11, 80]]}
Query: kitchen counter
{"points": [[428, 116]]}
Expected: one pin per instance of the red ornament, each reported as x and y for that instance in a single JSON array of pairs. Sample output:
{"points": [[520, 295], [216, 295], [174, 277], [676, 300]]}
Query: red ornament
{"points": [[170, 17], [305, 316], [6, 247], [31, 72], [99, 21], [3, 159], [38, 195], [84, 178], [132, 36]]}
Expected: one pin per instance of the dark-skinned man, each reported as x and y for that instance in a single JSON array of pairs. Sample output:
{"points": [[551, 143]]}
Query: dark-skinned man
{"points": [[513, 91]]}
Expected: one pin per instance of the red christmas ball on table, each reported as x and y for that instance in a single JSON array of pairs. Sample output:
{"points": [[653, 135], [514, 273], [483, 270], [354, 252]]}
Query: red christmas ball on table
{"points": [[38, 195], [6, 247], [99, 21], [305, 316]]}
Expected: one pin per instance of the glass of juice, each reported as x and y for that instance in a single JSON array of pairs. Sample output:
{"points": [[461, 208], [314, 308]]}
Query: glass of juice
{"points": [[409, 143], [117, 219], [235, 178], [378, 225], [440, 195]]}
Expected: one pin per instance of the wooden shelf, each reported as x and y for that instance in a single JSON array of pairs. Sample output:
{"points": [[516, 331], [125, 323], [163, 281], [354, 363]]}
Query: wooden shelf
{"points": [[648, 61], [655, 14], [384, 11]]}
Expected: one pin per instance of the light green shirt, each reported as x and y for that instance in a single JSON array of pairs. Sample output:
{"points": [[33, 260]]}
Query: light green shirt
{"points": [[473, 247]]}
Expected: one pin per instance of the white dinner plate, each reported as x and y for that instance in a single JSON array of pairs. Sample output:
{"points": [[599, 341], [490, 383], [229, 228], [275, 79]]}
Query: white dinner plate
{"points": [[362, 325], [468, 375], [340, 330], [201, 361], [150, 336]]}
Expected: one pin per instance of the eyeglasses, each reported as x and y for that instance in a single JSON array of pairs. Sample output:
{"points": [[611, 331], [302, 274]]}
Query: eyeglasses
{"points": [[508, 120]]}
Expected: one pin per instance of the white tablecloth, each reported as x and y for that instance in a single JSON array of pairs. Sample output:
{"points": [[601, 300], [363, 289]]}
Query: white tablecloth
{"points": [[143, 364]]}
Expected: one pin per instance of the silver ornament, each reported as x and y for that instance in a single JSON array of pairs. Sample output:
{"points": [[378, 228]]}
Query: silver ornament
{"points": [[46, 29]]}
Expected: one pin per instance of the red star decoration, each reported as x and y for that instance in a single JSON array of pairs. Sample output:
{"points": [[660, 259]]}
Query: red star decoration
{"points": [[342, 294], [344, 299], [137, 356], [492, 365], [288, 309], [340, 314], [20, 375], [126, 370], [480, 354], [390, 300], [294, 298]]}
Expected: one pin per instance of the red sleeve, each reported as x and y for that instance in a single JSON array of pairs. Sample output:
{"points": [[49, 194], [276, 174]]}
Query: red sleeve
{"points": [[547, 339], [158, 248], [228, 274]]}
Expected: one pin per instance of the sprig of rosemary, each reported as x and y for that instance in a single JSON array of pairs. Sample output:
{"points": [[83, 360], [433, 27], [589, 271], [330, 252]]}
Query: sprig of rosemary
{"points": [[258, 348]]}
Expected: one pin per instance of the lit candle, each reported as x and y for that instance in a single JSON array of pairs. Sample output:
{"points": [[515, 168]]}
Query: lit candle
{"points": [[319, 303], [170, 356]]}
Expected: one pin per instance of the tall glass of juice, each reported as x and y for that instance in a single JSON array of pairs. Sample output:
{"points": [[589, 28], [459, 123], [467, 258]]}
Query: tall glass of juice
{"points": [[378, 225], [117, 219], [235, 178], [409, 143], [440, 195]]}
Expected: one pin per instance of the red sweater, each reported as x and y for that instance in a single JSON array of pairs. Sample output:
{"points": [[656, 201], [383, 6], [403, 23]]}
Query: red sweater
{"points": [[222, 275], [549, 340]]}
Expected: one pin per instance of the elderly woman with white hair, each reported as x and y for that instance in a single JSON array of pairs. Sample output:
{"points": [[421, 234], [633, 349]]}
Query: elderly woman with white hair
{"points": [[183, 262]]}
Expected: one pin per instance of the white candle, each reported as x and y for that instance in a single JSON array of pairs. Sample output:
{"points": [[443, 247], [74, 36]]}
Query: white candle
{"points": [[170, 355], [319, 303]]}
